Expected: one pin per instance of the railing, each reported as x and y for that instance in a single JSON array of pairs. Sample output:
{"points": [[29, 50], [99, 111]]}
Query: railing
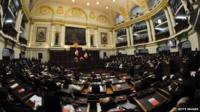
{"points": [[142, 40], [121, 44], [162, 35], [181, 26]]}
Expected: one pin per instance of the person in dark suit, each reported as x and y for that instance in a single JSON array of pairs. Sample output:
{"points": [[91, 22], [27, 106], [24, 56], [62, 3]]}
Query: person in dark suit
{"points": [[188, 87], [95, 89], [51, 103], [158, 71]]}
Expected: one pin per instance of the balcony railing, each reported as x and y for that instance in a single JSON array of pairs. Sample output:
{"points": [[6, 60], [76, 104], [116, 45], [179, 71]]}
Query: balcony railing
{"points": [[121, 44], [162, 35], [181, 26], [142, 40]]}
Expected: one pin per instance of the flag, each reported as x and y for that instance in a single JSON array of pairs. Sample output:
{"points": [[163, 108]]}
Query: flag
{"points": [[76, 52], [86, 55], [153, 101]]}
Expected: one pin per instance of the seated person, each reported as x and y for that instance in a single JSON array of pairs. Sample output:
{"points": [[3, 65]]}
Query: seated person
{"points": [[70, 88], [8, 104], [51, 103], [95, 89]]}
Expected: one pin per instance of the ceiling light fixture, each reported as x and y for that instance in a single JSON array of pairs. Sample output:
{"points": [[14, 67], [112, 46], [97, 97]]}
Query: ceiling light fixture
{"points": [[88, 4], [73, 0], [113, 0], [97, 3]]}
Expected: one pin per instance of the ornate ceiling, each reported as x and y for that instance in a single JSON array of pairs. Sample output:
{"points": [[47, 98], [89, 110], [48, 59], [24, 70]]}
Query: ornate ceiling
{"points": [[111, 7]]}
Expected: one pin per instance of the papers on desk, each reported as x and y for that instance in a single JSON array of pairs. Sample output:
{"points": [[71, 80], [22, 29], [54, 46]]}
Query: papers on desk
{"points": [[128, 105], [58, 83], [68, 108], [11, 81], [153, 101], [31, 76], [69, 75], [101, 88], [118, 86], [21, 90], [117, 110], [37, 100], [118, 81], [14, 85], [193, 73]]}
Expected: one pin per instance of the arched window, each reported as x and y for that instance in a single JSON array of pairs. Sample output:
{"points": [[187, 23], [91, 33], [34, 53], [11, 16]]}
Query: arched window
{"points": [[119, 19], [151, 3], [135, 11]]}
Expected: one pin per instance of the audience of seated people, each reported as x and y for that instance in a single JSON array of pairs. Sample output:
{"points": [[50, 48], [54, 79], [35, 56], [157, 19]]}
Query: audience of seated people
{"points": [[180, 75]]}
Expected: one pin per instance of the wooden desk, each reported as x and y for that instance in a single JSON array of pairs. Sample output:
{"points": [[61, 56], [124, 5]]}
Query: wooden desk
{"points": [[34, 103], [109, 91], [120, 88], [120, 99], [22, 95], [19, 91], [145, 103]]}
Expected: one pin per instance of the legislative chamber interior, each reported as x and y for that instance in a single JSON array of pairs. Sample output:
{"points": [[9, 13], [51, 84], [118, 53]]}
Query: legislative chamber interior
{"points": [[99, 55]]}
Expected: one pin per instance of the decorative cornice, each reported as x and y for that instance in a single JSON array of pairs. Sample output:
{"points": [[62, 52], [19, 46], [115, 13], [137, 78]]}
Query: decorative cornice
{"points": [[64, 23], [163, 4]]}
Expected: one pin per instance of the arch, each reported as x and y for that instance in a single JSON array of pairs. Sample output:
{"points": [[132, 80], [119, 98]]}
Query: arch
{"points": [[76, 12], [119, 18], [43, 10], [135, 11], [151, 3]]}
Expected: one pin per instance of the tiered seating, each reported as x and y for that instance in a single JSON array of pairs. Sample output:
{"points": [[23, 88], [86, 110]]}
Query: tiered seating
{"points": [[142, 83]]}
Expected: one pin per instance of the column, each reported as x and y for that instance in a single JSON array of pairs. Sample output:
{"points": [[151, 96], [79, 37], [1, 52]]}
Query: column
{"points": [[128, 37], [52, 41], [51, 32], [114, 38], [62, 36], [18, 23], [18, 20], [152, 30], [172, 18], [149, 31], [31, 37], [131, 35], [171, 31]]}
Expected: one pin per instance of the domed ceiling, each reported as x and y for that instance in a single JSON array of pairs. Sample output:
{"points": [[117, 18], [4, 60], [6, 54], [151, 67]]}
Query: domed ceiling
{"points": [[111, 7]]}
